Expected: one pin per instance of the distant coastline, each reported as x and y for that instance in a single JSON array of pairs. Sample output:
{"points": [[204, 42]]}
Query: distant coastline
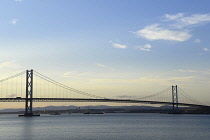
{"points": [[107, 109]]}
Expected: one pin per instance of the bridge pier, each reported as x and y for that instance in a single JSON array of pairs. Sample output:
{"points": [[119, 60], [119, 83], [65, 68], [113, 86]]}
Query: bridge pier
{"points": [[29, 94]]}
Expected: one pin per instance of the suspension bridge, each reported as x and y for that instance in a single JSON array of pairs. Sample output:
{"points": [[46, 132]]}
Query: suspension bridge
{"points": [[31, 86]]}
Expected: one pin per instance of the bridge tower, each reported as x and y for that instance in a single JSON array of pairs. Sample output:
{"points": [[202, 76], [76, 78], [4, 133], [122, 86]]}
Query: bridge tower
{"points": [[175, 99], [29, 94]]}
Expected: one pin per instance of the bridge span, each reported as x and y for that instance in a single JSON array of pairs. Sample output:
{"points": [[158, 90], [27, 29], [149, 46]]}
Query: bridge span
{"points": [[98, 100], [58, 88]]}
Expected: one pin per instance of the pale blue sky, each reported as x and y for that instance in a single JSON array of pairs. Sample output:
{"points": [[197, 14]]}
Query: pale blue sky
{"points": [[162, 42]]}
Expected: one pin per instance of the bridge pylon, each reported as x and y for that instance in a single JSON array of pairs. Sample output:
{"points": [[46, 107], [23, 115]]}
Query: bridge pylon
{"points": [[29, 94], [175, 99]]}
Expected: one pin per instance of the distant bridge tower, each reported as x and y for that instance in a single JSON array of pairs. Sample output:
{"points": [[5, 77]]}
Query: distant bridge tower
{"points": [[29, 94], [175, 98]]}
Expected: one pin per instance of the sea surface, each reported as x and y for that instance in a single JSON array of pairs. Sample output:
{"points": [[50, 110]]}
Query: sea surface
{"points": [[116, 126]]}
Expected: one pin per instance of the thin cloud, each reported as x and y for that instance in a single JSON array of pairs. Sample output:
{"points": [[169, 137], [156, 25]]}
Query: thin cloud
{"points": [[154, 32], [173, 17], [183, 21], [74, 74], [197, 40], [205, 49], [194, 71], [8, 64], [146, 47], [195, 19], [70, 75], [163, 81], [14, 21], [120, 46], [186, 70], [104, 66]]}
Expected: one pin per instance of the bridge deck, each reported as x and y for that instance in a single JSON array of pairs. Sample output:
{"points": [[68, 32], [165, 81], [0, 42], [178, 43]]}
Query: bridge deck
{"points": [[95, 100]]}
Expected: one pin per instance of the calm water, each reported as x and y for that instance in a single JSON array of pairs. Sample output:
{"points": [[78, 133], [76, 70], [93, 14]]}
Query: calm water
{"points": [[106, 127]]}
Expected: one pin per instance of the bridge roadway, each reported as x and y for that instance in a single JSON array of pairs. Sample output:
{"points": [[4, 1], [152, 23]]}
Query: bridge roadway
{"points": [[96, 100]]}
